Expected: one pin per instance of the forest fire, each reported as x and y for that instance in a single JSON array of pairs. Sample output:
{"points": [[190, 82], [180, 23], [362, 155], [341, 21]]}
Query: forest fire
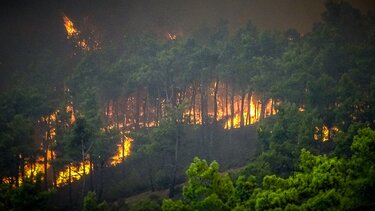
{"points": [[70, 29], [85, 44], [72, 172], [123, 150], [230, 110]]}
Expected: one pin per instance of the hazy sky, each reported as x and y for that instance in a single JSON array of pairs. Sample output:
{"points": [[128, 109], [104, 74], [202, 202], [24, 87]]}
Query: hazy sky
{"points": [[27, 25]]}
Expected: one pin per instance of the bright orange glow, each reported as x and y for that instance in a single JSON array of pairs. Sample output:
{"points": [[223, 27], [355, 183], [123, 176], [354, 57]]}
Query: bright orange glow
{"points": [[172, 36], [70, 109], [325, 133], [123, 150], [7, 180], [76, 172], [70, 29], [90, 43]]}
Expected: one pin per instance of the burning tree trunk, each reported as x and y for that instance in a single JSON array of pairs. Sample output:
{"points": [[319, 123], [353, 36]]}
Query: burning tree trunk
{"points": [[70, 185], [193, 103], [204, 112], [45, 158], [215, 101], [248, 116], [263, 102], [53, 170], [137, 107], [232, 108], [242, 109], [91, 174], [226, 103]]}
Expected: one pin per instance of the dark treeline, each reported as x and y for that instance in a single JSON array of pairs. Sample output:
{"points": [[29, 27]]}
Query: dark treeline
{"points": [[317, 91]]}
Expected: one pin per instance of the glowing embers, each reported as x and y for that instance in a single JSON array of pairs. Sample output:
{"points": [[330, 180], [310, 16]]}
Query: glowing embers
{"points": [[123, 150], [72, 172], [70, 110], [325, 133], [172, 36], [90, 40]]}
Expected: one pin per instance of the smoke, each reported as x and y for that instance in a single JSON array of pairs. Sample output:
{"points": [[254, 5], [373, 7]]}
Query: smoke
{"points": [[29, 26]]}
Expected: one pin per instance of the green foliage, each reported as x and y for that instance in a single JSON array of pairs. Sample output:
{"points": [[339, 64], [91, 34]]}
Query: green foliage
{"points": [[29, 196], [146, 205], [90, 203], [207, 189], [321, 183]]}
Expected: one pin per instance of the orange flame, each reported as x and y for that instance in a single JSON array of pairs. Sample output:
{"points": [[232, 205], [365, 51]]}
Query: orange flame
{"points": [[123, 150], [76, 172], [70, 29]]}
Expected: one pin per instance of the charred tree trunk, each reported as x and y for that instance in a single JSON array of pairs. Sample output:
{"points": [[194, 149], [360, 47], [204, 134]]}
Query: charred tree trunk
{"points": [[204, 116], [137, 108], [53, 170], [45, 160], [232, 108], [84, 165], [193, 102], [123, 148], [226, 103], [22, 165], [145, 111], [215, 101], [91, 175], [248, 116], [242, 109], [263, 107]]}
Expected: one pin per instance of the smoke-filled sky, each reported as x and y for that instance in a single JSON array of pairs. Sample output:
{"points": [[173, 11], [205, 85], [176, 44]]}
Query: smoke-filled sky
{"points": [[28, 26]]}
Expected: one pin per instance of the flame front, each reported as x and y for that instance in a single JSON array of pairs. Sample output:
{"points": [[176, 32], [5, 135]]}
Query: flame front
{"points": [[72, 173], [88, 43], [70, 29], [123, 150]]}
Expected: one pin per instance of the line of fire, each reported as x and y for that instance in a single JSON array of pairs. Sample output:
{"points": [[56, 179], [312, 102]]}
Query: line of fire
{"points": [[217, 103]]}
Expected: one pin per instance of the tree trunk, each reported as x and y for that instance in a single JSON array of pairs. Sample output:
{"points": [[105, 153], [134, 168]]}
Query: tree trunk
{"points": [[193, 102], [83, 165], [150, 174], [226, 104], [101, 188], [263, 108], [242, 109], [70, 186], [173, 182], [215, 101], [248, 116], [91, 175], [137, 108], [232, 108], [45, 161], [22, 164], [53, 170], [145, 123], [123, 148]]}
